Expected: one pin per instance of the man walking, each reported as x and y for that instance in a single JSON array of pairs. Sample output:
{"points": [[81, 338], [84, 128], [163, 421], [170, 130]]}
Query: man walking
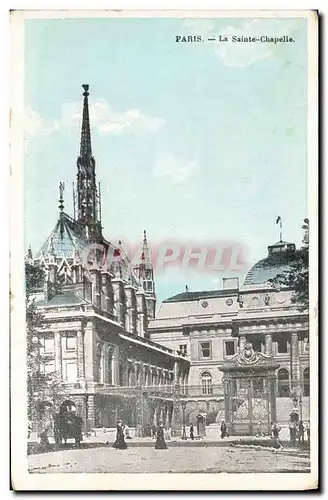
{"points": [[223, 429]]}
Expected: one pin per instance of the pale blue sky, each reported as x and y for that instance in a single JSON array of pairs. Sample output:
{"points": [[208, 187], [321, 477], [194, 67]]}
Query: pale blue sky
{"points": [[192, 141]]}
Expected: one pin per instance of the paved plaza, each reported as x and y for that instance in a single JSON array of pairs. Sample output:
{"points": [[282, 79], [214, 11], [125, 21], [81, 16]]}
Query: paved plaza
{"points": [[176, 459]]}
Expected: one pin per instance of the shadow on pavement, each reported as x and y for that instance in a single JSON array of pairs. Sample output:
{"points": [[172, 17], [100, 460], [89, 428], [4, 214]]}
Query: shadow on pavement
{"points": [[36, 448]]}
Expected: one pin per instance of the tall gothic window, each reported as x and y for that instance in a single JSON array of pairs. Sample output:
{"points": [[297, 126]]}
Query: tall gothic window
{"points": [[207, 388]]}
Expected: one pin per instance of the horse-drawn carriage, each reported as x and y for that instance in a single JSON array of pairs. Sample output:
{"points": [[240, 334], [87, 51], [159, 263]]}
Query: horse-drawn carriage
{"points": [[67, 425]]}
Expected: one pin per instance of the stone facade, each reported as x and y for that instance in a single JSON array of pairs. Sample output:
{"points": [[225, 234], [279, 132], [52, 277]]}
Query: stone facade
{"points": [[210, 327]]}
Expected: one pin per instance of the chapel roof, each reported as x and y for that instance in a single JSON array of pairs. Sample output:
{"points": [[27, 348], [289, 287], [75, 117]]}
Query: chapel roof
{"points": [[65, 239]]}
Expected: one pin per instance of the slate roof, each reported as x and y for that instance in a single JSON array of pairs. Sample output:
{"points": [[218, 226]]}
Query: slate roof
{"points": [[66, 237], [208, 294], [63, 299]]}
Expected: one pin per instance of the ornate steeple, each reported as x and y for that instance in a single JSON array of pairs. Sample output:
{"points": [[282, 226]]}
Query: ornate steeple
{"points": [[146, 274], [145, 257], [87, 196]]}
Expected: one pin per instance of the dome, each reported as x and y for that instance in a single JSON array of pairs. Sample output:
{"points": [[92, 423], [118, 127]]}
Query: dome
{"points": [[277, 262]]}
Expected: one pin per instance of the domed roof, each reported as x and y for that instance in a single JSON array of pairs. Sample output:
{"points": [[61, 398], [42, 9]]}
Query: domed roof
{"points": [[277, 262]]}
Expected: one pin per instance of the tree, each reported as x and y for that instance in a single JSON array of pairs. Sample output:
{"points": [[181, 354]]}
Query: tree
{"points": [[35, 377], [296, 277], [41, 386]]}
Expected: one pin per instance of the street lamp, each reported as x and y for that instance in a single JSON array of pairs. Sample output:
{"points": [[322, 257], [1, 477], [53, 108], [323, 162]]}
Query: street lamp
{"points": [[184, 435]]}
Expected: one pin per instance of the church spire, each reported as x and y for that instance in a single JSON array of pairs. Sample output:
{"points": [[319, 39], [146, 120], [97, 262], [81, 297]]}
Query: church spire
{"points": [[85, 145], [145, 272], [86, 189]]}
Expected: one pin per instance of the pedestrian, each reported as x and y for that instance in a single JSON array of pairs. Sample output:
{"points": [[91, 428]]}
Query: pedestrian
{"points": [[167, 433], [191, 432], [272, 430], [120, 443], [160, 441], [275, 431], [127, 433], [223, 430], [301, 430], [292, 433], [308, 431], [147, 430], [259, 432], [153, 431]]}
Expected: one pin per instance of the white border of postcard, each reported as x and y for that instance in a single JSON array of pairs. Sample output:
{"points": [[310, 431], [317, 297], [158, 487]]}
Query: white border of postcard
{"points": [[21, 479]]}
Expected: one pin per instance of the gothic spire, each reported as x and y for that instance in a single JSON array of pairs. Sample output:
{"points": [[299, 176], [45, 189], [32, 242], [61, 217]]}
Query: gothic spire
{"points": [[145, 257], [86, 190], [85, 144], [146, 273]]}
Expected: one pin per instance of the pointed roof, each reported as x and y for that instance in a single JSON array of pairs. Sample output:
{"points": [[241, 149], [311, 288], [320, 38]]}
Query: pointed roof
{"points": [[85, 145], [121, 266], [145, 255], [65, 239]]}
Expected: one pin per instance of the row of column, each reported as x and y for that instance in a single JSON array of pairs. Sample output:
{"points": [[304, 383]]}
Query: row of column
{"points": [[144, 374], [162, 413]]}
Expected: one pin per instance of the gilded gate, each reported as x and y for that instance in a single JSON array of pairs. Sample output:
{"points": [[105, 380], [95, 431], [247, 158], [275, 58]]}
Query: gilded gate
{"points": [[250, 392]]}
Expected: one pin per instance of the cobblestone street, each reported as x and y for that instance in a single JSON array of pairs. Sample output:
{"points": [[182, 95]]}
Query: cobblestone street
{"points": [[178, 459]]}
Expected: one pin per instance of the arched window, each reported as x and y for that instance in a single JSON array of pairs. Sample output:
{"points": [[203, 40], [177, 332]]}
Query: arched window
{"points": [[306, 382], [207, 388], [283, 383]]}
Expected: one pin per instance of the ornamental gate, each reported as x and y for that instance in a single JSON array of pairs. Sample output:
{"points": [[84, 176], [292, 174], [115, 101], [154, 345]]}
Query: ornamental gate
{"points": [[250, 392]]}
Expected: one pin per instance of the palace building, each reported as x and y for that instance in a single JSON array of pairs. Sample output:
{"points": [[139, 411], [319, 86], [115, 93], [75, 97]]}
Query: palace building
{"points": [[96, 313], [215, 328]]}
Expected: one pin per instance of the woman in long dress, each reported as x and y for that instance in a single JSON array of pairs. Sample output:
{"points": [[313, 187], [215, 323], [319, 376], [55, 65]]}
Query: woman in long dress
{"points": [[160, 441], [120, 443]]}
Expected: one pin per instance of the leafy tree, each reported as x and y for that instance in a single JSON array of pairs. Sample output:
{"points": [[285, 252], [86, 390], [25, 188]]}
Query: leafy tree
{"points": [[41, 386], [296, 277]]}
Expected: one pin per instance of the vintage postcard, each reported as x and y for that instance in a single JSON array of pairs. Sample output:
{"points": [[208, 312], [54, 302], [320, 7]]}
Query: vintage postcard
{"points": [[164, 250]]}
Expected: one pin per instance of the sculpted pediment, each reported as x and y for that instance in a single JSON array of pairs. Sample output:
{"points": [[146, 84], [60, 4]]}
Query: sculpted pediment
{"points": [[248, 356]]}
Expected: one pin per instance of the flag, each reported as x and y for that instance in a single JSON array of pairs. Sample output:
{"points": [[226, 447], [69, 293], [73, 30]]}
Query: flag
{"points": [[278, 219]]}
